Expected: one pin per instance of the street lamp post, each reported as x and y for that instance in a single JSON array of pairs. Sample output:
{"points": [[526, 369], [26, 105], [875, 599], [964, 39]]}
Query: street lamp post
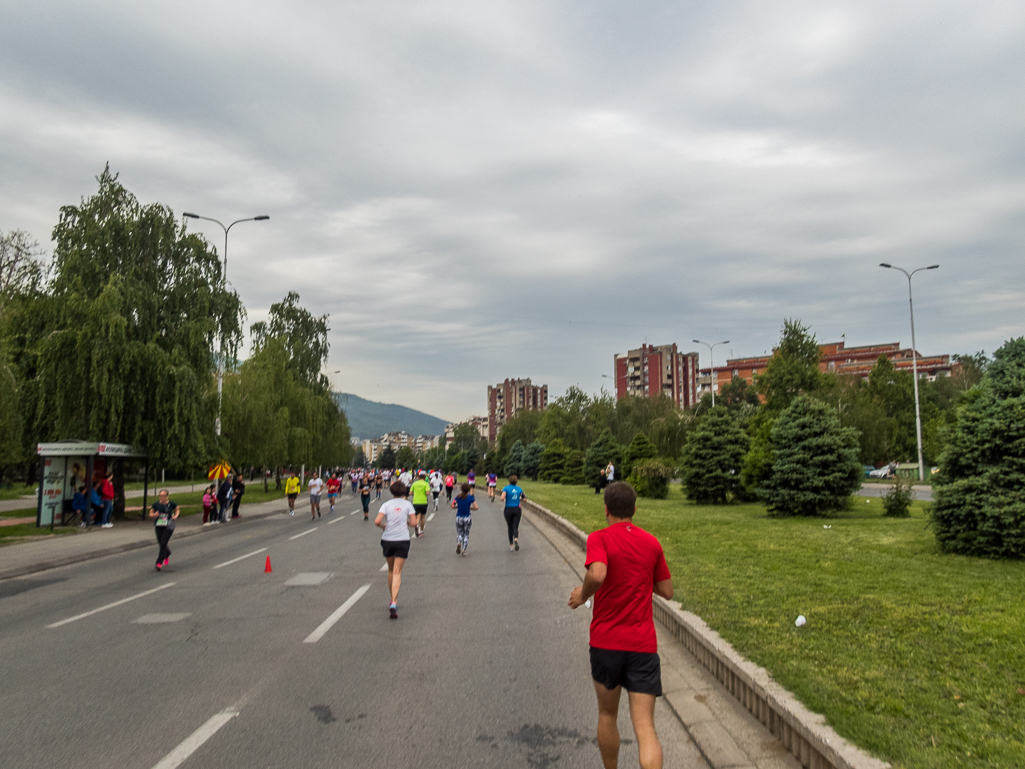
{"points": [[914, 361], [711, 363], [224, 278]]}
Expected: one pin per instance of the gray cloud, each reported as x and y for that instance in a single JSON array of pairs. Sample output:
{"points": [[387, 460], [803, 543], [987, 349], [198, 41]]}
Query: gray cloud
{"points": [[523, 189]]}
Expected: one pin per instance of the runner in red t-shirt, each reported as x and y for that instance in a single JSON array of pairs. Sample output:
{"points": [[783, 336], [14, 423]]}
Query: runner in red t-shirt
{"points": [[334, 485], [625, 565]]}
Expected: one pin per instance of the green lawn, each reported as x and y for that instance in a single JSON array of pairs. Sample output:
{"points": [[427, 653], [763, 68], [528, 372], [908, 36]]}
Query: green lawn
{"points": [[913, 655]]}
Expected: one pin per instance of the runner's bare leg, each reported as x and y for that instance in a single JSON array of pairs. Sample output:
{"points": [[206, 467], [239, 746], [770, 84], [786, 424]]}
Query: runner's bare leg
{"points": [[608, 729]]}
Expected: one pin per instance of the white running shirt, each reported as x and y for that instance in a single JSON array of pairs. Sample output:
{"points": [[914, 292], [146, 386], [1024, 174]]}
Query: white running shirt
{"points": [[396, 515], [315, 486]]}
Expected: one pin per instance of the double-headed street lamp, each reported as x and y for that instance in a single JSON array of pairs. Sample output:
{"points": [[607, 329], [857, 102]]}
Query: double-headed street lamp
{"points": [[711, 364], [914, 361], [224, 277]]}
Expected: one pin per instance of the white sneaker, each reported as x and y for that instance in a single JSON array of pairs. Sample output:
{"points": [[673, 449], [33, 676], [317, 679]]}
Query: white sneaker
{"points": [[108, 526], [291, 512]]}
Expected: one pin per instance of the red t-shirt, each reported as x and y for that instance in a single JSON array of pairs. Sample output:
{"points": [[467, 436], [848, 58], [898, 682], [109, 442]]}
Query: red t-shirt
{"points": [[621, 619], [333, 484]]}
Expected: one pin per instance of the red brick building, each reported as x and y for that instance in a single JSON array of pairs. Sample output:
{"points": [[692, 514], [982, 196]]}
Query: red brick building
{"points": [[836, 358], [651, 371], [505, 400]]}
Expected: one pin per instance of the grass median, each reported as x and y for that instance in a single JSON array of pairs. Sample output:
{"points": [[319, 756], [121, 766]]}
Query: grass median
{"points": [[916, 656]]}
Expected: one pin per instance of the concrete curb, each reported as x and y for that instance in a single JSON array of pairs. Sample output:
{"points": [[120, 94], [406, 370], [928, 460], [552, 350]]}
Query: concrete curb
{"points": [[805, 734], [124, 547]]}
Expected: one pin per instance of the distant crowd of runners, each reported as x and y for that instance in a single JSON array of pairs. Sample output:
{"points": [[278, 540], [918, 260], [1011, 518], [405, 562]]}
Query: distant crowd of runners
{"points": [[625, 566]]}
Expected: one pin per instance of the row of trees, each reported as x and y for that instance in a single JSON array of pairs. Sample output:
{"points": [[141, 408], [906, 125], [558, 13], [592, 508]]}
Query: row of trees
{"points": [[118, 340]]}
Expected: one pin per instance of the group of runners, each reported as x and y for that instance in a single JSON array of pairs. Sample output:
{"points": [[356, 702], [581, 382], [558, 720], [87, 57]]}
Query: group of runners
{"points": [[624, 564]]}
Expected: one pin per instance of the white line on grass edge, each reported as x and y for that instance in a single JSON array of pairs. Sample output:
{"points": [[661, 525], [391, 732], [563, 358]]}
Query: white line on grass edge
{"points": [[194, 741], [108, 606], [336, 615]]}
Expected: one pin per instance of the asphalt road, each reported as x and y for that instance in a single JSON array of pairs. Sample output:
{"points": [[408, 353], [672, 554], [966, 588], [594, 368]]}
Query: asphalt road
{"points": [[209, 663]]}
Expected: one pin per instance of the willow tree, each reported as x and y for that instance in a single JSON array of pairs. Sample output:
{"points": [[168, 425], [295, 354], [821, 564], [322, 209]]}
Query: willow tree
{"points": [[136, 308]]}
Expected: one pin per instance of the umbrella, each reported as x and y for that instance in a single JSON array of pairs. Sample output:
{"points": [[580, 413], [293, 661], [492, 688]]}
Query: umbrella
{"points": [[219, 470]]}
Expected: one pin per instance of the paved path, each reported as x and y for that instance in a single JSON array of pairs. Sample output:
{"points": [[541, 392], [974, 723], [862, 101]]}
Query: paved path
{"points": [[110, 663], [923, 493]]}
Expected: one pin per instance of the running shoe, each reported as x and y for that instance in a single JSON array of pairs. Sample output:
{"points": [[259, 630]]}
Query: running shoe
{"points": [[516, 543], [166, 560], [393, 611], [459, 547], [159, 564]]}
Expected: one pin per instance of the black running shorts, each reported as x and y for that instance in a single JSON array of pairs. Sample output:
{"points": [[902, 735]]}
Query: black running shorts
{"points": [[395, 548], [420, 509], [639, 672]]}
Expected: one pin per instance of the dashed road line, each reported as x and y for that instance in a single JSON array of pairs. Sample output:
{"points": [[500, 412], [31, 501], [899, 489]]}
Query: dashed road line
{"points": [[336, 520], [241, 557], [308, 531], [109, 606], [194, 741], [385, 567], [336, 615], [430, 517]]}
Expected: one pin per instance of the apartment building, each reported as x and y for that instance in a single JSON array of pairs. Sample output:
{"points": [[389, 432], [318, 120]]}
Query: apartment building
{"points": [[507, 399], [836, 358], [651, 370]]}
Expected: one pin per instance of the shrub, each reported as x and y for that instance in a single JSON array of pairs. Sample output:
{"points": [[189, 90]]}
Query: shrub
{"points": [[650, 478], [514, 462], [816, 465], [897, 502], [712, 459], [979, 506]]}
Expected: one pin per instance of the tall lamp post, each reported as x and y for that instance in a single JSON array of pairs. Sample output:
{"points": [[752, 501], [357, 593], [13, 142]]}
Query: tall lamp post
{"points": [[224, 278], [914, 361], [711, 363]]}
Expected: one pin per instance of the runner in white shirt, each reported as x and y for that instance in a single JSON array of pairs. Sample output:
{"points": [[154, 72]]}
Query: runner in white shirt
{"points": [[406, 478], [315, 486], [395, 517], [435, 487]]}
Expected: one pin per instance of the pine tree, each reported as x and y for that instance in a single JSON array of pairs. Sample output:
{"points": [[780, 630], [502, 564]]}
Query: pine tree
{"points": [[816, 466], [604, 450], [514, 462], [532, 459], [713, 458], [573, 469], [640, 448], [980, 493], [553, 461]]}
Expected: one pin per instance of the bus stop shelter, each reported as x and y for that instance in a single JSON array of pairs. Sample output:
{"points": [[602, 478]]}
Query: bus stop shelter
{"points": [[65, 466]]}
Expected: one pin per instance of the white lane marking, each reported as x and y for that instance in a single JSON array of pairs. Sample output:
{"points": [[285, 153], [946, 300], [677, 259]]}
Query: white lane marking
{"points": [[236, 560], [354, 512], [430, 517], [336, 615], [336, 520], [308, 531], [194, 741], [109, 606], [385, 567], [159, 619]]}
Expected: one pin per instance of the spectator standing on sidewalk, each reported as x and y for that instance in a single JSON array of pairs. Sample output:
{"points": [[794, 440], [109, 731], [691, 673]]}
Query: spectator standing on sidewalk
{"points": [[166, 512], [625, 565], [223, 497], [107, 495], [81, 505], [209, 505], [238, 488]]}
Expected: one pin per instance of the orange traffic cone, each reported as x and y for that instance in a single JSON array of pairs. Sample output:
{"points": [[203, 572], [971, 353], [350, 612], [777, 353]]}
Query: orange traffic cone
{"points": [[267, 569]]}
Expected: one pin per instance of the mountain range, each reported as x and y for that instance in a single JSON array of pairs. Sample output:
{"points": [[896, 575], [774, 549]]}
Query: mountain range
{"points": [[370, 419]]}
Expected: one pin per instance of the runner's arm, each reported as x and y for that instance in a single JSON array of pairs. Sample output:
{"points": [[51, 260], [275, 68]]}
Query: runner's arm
{"points": [[593, 580], [378, 521], [664, 589]]}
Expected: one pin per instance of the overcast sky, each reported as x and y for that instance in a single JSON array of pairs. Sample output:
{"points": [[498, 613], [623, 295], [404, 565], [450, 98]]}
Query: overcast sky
{"points": [[475, 191]]}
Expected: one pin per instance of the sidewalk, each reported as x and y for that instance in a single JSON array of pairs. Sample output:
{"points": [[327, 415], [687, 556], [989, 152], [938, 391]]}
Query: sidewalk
{"points": [[50, 552]]}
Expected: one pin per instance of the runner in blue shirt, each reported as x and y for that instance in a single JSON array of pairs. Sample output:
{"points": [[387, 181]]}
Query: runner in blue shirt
{"points": [[511, 495]]}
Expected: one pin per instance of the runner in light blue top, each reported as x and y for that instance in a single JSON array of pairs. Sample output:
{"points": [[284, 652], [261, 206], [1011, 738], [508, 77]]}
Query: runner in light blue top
{"points": [[511, 496]]}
